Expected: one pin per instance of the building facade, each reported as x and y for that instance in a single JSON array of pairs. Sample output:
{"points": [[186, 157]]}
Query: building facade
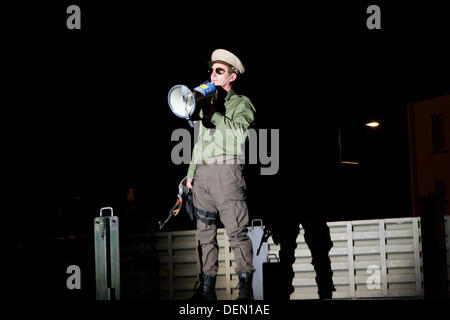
{"points": [[429, 138]]}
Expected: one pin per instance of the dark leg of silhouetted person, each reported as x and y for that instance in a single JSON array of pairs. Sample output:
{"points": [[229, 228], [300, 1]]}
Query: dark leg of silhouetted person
{"points": [[287, 239], [317, 237]]}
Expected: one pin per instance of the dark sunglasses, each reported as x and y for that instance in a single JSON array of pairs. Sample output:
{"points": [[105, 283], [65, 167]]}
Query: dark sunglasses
{"points": [[219, 71]]}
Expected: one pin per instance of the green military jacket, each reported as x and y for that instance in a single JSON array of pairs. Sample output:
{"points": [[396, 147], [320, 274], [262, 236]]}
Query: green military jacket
{"points": [[230, 133]]}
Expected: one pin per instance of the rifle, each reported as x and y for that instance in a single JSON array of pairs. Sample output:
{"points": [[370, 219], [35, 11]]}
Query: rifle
{"points": [[266, 235]]}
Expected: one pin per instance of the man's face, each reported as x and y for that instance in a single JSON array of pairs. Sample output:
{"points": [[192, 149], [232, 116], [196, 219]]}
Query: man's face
{"points": [[221, 76]]}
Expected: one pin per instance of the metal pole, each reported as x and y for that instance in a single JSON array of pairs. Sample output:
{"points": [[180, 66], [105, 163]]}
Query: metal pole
{"points": [[107, 257], [255, 233]]}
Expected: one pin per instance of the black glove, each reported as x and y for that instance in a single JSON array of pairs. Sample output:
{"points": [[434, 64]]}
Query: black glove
{"points": [[219, 101], [210, 107], [208, 111]]}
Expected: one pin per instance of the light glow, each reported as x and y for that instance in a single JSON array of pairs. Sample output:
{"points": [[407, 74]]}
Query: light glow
{"points": [[373, 124]]}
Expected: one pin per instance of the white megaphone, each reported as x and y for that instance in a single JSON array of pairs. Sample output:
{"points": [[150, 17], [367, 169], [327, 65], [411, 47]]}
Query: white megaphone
{"points": [[183, 101]]}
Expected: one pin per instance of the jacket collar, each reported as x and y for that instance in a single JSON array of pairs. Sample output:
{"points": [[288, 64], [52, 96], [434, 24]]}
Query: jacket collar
{"points": [[230, 94]]}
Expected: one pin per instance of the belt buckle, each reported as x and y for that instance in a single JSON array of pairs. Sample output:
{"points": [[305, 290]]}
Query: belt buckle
{"points": [[210, 161]]}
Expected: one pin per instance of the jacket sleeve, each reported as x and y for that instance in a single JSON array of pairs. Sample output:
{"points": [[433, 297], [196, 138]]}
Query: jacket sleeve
{"points": [[237, 126], [195, 154]]}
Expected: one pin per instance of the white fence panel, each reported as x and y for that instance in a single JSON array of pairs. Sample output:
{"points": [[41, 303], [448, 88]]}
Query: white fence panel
{"points": [[369, 259]]}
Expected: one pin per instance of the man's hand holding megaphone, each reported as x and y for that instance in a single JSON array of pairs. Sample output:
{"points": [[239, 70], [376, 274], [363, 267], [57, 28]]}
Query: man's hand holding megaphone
{"points": [[219, 101], [218, 105]]}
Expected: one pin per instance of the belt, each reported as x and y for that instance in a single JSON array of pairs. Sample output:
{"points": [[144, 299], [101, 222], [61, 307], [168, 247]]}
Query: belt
{"points": [[223, 159]]}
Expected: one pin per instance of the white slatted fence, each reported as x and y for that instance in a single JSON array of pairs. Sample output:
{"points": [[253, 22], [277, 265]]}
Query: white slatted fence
{"points": [[369, 258]]}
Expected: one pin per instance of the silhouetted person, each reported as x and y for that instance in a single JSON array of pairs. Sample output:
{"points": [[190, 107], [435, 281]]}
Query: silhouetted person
{"points": [[317, 237], [304, 191]]}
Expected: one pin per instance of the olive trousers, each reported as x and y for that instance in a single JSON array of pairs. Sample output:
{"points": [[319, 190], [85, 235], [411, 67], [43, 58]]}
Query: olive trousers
{"points": [[221, 188]]}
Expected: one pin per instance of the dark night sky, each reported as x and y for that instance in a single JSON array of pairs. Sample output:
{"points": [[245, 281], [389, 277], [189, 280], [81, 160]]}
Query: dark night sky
{"points": [[90, 114]]}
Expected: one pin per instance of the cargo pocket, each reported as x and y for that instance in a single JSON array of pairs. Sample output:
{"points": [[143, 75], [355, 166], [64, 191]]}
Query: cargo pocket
{"points": [[233, 183]]}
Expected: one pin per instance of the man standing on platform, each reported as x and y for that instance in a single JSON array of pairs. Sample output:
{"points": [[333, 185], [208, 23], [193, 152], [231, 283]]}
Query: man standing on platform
{"points": [[216, 178]]}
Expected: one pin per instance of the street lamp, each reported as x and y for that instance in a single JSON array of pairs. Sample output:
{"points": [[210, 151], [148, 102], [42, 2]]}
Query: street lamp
{"points": [[372, 124], [342, 163]]}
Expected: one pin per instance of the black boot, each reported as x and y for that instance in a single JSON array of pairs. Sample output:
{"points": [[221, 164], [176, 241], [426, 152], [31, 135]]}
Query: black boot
{"points": [[245, 286], [209, 287], [198, 290]]}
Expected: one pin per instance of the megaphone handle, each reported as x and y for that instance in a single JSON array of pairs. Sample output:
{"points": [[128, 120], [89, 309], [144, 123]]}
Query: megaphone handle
{"points": [[187, 112]]}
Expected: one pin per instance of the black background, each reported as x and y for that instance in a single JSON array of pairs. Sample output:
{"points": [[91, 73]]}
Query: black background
{"points": [[86, 114]]}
